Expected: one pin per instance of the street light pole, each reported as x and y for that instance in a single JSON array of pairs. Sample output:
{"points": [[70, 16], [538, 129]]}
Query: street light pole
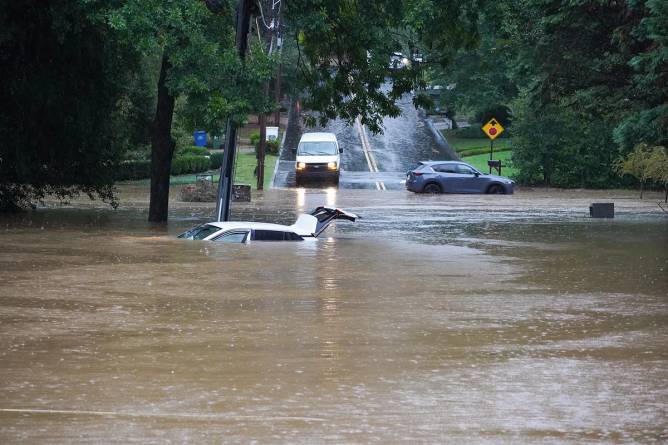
{"points": [[227, 168]]}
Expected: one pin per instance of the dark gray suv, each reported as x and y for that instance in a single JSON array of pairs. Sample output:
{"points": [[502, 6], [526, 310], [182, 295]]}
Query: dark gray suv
{"points": [[455, 177]]}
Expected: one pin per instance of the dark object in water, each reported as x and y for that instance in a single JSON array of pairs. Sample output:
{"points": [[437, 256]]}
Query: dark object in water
{"points": [[602, 210]]}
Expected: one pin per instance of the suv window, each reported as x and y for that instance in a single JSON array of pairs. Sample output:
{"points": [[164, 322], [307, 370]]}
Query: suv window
{"points": [[232, 237], [274, 235], [445, 168], [465, 169]]}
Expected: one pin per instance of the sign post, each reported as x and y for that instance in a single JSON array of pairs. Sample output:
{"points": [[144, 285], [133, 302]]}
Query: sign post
{"points": [[492, 129]]}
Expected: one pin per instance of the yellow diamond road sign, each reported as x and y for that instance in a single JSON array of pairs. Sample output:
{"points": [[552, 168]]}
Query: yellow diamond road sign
{"points": [[493, 129]]}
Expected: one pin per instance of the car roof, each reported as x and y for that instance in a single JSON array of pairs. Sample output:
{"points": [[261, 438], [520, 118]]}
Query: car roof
{"points": [[318, 136], [441, 162], [230, 225]]}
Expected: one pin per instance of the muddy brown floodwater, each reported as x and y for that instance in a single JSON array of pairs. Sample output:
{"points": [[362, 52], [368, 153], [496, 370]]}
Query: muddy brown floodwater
{"points": [[435, 319]]}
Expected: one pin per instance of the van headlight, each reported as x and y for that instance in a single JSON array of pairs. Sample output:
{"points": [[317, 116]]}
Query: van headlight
{"points": [[301, 165], [331, 165]]}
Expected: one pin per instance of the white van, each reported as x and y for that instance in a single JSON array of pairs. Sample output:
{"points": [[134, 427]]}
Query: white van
{"points": [[318, 156]]}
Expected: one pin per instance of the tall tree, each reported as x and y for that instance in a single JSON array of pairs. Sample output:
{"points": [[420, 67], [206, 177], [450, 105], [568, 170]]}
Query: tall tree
{"points": [[64, 72], [188, 40], [345, 49], [198, 63]]}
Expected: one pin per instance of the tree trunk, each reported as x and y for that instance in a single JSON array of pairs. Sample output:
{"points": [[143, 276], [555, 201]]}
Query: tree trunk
{"points": [[642, 188], [162, 148], [277, 91]]}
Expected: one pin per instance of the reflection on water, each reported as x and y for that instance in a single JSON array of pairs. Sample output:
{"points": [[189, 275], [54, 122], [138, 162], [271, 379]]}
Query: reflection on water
{"points": [[419, 323]]}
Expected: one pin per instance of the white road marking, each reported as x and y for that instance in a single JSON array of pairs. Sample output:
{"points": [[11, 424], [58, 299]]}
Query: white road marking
{"points": [[368, 154]]}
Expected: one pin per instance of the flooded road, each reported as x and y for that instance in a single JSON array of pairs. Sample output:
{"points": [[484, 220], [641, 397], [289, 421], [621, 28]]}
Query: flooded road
{"points": [[434, 319]]}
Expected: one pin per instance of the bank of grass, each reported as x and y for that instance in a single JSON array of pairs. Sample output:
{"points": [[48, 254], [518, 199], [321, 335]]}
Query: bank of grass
{"points": [[475, 151], [480, 162], [245, 166]]}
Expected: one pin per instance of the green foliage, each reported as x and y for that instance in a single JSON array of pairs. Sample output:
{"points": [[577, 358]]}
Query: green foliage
{"points": [[133, 169], [190, 164], [65, 120], [648, 117], [658, 165], [254, 138], [141, 169], [552, 147], [472, 132], [480, 162], [645, 163], [597, 70], [216, 160], [270, 146], [344, 49], [193, 150]]}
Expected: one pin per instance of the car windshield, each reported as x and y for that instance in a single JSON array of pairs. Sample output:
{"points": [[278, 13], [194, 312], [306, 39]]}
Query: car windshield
{"points": [[317, 148], [199, 232]]}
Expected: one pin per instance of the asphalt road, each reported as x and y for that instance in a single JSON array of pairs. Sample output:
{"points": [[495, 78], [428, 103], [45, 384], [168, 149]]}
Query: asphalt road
{"points": [[369, 161]]}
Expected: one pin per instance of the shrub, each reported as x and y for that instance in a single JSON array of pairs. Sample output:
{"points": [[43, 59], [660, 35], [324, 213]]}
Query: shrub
{"points": [[142, 153], [270, 147], [189, 164], [216, 160], [255, 138], [134, 169], [472, 132], [192, 151]]}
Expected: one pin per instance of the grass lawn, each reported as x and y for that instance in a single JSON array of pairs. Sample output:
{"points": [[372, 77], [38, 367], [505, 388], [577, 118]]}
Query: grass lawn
{"points": [[461, 144], [245, 166], [480, 162]]}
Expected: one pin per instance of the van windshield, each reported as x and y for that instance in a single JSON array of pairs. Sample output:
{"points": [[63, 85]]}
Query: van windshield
{"points": [[317, 148]]}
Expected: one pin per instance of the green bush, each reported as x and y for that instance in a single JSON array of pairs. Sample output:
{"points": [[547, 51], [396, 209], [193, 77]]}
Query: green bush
{"points": [[216, 160], [142, 153], [254, 138], [189, 164], [134, 169], [192, 150], [270, 147]]}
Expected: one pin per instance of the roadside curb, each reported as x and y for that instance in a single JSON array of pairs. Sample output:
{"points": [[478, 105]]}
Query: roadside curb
{"points": [[280, 153], [441, 141]]}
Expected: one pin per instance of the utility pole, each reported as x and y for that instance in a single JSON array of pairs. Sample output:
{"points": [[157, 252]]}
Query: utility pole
{"points": [[272, 27], [227, 168]]}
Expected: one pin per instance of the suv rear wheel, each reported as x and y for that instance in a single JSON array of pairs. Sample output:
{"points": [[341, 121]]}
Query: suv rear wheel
{"points": [[432, 188]]}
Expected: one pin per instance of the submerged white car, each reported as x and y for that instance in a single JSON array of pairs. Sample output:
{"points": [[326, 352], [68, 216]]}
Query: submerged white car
{"points": [[307, 226]]}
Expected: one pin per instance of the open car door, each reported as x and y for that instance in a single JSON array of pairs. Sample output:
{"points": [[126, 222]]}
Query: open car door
{"points": [[315, 223], [325, 215]]}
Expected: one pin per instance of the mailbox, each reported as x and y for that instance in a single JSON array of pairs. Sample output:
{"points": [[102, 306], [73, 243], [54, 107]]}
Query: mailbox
{"points": [[494, 163]]}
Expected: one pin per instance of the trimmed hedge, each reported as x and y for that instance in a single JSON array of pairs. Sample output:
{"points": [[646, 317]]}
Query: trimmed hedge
{"points": [[193, 151], [135, 169], [216, 160], [140, 169], [189, 164]]}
